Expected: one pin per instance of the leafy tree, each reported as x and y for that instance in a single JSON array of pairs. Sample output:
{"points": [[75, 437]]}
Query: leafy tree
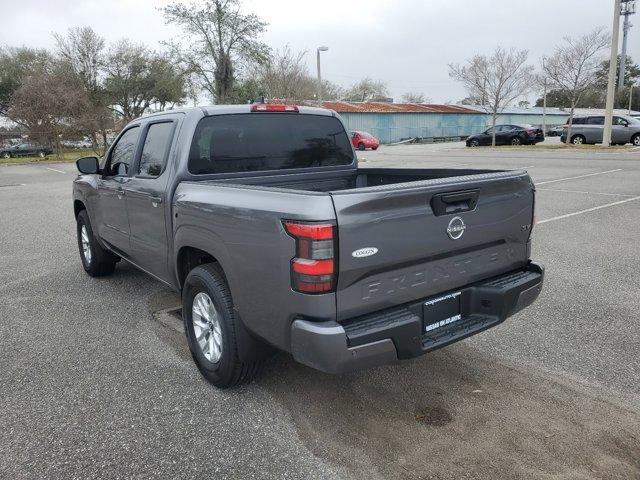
{"points": [[368, 90], [137, 79], [217, 40], [631, 76], [497, 80], [17, 64]]}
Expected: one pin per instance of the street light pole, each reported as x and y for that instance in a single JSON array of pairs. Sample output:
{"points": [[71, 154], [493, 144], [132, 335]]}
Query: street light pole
{"points": [[611, 85], [320, 49], [544, 99]]}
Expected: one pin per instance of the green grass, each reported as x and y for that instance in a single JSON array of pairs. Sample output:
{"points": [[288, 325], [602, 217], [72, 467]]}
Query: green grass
{"points": [[63, 156]]}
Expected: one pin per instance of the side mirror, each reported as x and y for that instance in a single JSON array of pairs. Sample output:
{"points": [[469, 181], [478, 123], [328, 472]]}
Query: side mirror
{"points": [[88, 165]]}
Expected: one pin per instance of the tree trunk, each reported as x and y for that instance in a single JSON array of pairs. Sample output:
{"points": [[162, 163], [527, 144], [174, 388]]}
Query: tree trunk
{"points": [[573, 107], [493, 129]]}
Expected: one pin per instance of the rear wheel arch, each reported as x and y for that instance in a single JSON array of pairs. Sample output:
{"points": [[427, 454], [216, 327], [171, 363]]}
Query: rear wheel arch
{"points": [[189, 258]]}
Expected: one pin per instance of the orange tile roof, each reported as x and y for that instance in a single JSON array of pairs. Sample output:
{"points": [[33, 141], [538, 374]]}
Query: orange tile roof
{"points": [[384, 107]]}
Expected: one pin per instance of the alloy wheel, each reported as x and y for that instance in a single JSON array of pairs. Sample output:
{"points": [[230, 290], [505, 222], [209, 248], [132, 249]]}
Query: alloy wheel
{"points": [[86, 245], [206, 326]]}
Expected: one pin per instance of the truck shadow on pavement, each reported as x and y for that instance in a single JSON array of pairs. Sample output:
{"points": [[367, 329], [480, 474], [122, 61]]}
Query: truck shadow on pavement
{"points": [[454, 413]]}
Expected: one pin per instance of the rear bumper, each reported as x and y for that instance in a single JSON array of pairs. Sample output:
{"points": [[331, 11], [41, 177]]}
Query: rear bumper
{"points": [[384, 337]]}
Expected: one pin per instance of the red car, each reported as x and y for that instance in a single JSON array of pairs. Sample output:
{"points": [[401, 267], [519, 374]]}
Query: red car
{"points": [[364, 140]]}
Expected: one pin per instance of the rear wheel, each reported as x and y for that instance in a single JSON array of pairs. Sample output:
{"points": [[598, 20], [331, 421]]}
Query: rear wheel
{"points": [[374, 148], [516, 141], [635, 140], [96, 261], [578, 140], [361, 146], [211, 327]]}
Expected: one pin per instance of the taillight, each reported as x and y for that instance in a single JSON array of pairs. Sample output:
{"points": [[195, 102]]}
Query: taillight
{"points": [[313, 268], [532, 133], [274, 107]]}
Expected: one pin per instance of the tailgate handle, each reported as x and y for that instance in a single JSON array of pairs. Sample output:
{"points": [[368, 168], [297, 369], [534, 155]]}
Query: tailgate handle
{"points": [[454, 202]]}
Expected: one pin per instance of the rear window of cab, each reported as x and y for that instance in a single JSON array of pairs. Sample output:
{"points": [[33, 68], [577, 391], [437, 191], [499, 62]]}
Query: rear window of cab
{"points": [[255, 142]]}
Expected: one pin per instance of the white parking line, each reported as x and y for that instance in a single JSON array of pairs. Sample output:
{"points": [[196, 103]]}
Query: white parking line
{"points": [[582, 191], [560, 217], [579, 176], [55, 170]]}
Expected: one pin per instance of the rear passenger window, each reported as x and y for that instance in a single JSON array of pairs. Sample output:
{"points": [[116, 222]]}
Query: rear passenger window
{"points": [[595, 121], [155, 149]]}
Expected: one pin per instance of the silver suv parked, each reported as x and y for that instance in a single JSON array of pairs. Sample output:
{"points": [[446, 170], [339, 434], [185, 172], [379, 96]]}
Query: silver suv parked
{"points": [[589, 129]]}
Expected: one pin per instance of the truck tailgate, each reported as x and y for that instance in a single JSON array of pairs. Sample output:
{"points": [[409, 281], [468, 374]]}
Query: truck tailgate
{"points": [[402, 242]]}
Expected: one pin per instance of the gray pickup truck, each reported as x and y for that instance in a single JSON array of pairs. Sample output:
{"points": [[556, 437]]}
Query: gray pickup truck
{"points": [[277, 239]]}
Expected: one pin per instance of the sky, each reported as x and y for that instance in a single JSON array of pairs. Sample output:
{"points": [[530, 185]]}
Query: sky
{"points": [[406, 43]]}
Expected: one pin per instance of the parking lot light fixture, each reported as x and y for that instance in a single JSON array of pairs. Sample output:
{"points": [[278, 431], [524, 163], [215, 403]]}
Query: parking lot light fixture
{"points": [[320, 49]]}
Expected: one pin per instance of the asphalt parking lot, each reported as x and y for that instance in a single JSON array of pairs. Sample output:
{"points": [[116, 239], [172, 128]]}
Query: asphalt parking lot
{"points": [[92, 385]]}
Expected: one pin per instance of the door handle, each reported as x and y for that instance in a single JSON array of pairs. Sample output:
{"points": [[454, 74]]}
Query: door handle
{"points": [[455, 202], [155, 201]]}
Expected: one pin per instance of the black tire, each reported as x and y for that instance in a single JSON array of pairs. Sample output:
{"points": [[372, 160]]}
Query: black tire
{"points": [[635, 140], [99, 262], [6, 155], [229, 370], [361, 146], [516, 141], [474, 143], [578, 140], [42, 154], [374, 148]]}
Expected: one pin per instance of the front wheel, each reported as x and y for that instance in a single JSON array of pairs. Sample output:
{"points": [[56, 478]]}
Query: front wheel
{"points": [[96, 261], [41, 154], [361, 146], [6, 155], [211, 327], [635, 140], [474, 143]]}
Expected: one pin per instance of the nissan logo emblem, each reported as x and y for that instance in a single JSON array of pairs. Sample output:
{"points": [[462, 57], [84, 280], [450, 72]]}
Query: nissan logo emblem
{"points": [[456, 228]]}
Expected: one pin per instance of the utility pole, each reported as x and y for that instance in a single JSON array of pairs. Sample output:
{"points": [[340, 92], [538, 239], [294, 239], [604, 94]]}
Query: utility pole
{"points": [[544, 98], [630, 97], [627, 7], [320, 49], [611, 84]]}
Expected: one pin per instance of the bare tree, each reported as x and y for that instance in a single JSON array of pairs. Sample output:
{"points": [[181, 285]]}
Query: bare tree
{"points": [[218, 38], [573, 67], [84, 50], [368, 90], [16, 65], [411, 97], [286, 76], [497, 80]]}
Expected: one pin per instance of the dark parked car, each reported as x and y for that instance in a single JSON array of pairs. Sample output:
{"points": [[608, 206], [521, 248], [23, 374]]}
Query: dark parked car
{"points": [[508, 135], [274, 235], [25, 150]]}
